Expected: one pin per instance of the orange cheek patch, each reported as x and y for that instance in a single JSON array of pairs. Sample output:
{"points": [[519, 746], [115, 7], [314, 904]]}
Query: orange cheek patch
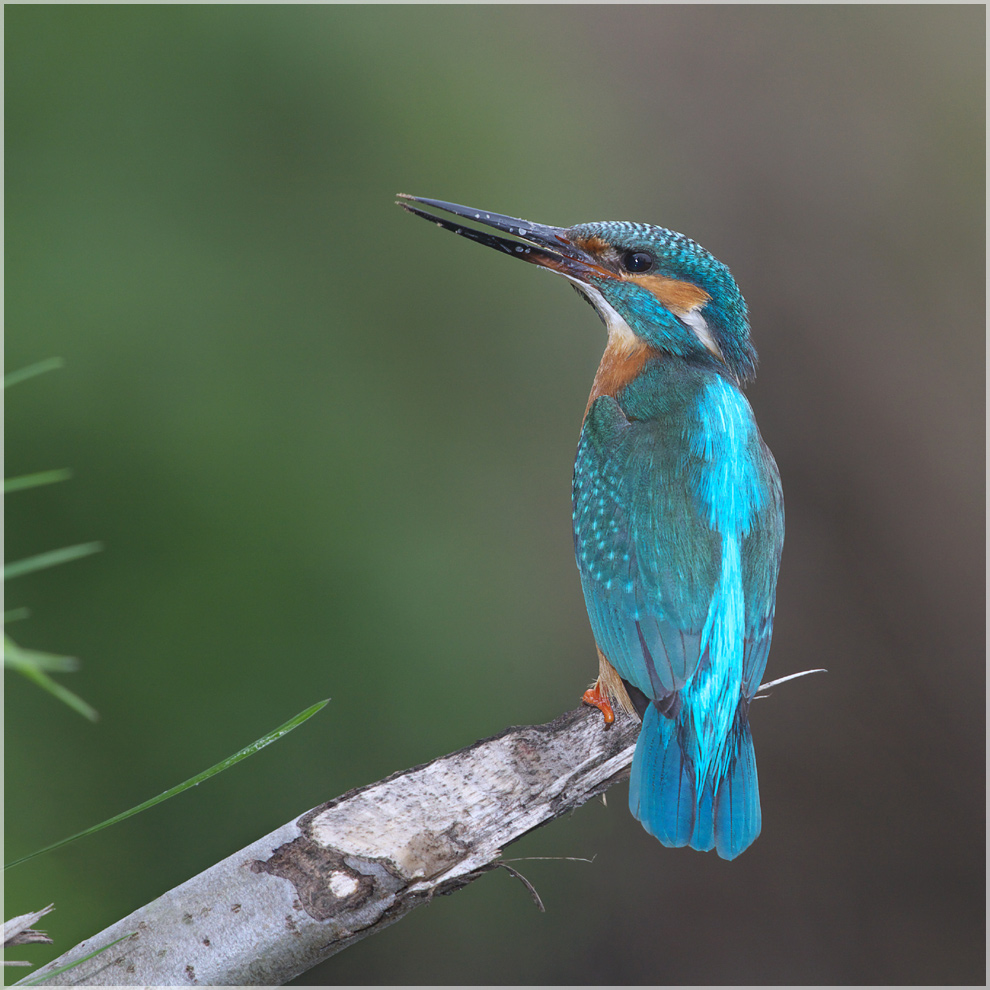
{"points": [[677, 296]]}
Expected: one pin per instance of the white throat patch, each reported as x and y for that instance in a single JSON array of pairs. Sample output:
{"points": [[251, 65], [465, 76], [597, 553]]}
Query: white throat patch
{"points": [[620, 334]]}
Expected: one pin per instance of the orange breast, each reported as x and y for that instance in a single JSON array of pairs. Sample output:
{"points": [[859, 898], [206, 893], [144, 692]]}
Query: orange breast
{"points": [[622, 361]]}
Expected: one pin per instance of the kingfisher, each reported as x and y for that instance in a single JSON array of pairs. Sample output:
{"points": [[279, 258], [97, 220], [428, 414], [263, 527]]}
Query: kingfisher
{"points": [[678, 513]]}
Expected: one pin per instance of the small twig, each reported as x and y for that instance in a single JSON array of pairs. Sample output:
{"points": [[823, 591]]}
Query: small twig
{"points": [[788, 677], [532, 890], [573, 859]]}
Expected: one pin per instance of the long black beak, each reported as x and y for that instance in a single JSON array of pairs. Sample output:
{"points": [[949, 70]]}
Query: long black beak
{"points": [[546, 246]]}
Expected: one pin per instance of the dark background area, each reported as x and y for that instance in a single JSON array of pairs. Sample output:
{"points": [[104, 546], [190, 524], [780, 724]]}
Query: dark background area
{"points": [[328, 450]]}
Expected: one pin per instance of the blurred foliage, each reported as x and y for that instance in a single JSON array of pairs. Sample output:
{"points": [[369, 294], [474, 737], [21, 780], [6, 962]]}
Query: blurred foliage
{"points": [[328, 449], [36, 665]]}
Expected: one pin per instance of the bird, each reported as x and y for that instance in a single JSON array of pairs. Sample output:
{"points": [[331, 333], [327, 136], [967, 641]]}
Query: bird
{"points": [[677, 512]]}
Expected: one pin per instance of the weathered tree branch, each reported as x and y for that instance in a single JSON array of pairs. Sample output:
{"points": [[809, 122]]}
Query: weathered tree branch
{"points": [[18, 931], [353, 866]]}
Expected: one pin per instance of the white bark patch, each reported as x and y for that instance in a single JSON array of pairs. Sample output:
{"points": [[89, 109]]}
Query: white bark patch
{"points": [[342, 884], [417, 819]]}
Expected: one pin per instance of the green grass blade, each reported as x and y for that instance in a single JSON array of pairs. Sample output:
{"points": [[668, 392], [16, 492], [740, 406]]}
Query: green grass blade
{"points": [[62, 693], [50, 559], [33, 664], [40, 982], [49, 364], [241, 754], [17, 657], [34, 480], [16, 614]]}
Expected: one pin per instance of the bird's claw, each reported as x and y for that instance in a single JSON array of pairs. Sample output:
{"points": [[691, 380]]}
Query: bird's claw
{"points": [[597, 698]]}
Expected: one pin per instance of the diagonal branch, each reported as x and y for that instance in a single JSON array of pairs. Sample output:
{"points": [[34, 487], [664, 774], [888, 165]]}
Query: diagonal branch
{"points": [[353, 866]]}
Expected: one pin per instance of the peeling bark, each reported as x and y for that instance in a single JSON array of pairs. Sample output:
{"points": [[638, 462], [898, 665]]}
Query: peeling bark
{"points": [[353, 866], [18, 931]]}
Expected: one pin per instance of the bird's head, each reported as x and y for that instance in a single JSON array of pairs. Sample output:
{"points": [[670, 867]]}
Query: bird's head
{"points": [[651, 286]]}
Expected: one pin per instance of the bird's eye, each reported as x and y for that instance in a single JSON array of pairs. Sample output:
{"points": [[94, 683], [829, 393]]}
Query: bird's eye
{"points": [[637, 262]]}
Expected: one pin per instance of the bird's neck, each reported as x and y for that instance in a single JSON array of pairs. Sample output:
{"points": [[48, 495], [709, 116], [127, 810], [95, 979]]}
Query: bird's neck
{"points": [[625, 357], [650, 384]]}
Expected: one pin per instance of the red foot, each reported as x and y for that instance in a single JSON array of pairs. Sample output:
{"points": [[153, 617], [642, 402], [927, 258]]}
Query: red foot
{"points": [[595, 697]]}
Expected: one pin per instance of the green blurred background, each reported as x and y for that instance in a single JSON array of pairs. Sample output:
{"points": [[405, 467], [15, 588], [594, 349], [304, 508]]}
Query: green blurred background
{"points": [[328, 449]]}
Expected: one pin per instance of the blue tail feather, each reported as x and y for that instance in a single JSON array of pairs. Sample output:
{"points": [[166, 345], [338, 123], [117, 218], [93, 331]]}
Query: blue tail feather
{"points": [[737, 808], [661, 787], [662, 794], [703, 837]]}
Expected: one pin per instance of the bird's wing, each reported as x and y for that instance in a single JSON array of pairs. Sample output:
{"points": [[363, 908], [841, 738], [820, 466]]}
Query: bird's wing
{"points": [[761, 549], [648, 560]]}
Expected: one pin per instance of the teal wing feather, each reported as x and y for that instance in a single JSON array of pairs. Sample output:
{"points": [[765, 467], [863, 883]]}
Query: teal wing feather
{"points": [[648, 560], [649, 555], [761, 550]]}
